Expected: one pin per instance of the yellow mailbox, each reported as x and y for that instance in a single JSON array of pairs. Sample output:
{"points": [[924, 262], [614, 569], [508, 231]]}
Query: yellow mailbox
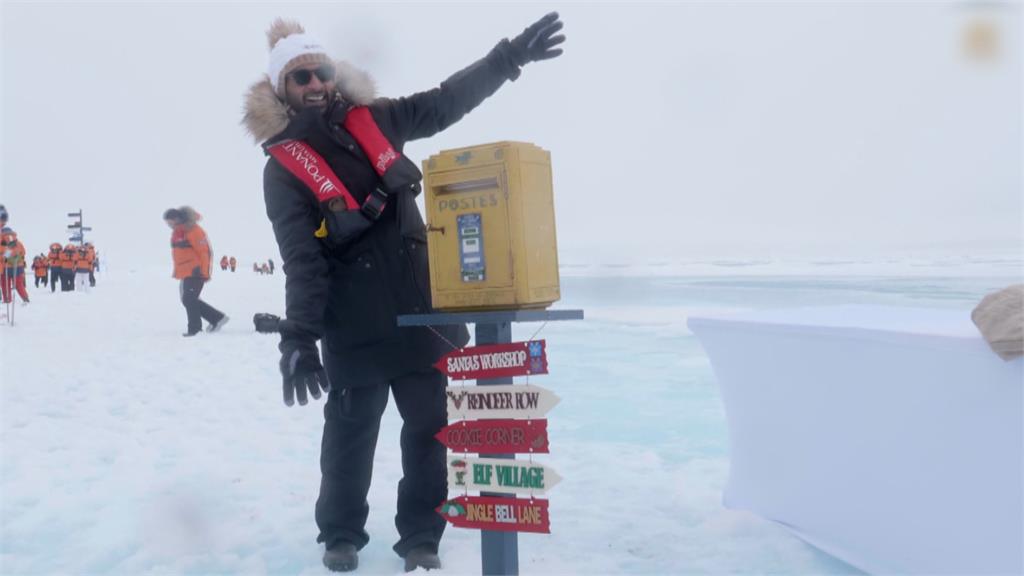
{"points": [[491, 224]]}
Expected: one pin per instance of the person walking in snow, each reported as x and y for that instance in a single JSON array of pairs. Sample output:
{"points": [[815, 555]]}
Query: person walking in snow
{"points": [[232, 263], [53, 259], [13, 262], [67, 268], [365, 264], [224, 263], [190, 250], [39, 269], [83, 269], [270, 263], [91, 257]]}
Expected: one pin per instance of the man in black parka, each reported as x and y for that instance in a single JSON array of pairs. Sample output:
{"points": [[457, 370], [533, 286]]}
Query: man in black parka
{"points": [[348, 276]]}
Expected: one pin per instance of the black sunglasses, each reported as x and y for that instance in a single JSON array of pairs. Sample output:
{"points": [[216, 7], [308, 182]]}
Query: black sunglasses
{"points": [[324, 73]]}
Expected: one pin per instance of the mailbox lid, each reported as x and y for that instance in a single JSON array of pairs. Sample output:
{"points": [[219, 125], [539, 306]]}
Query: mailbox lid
{"points": [[473, 252]]}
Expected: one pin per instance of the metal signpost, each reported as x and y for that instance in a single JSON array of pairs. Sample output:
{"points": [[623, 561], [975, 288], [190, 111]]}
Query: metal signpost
{"points": [[499, 549], [76, 229]]}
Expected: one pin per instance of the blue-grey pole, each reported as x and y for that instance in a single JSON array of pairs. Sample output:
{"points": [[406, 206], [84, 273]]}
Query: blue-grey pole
{"points": [[499, 551]]}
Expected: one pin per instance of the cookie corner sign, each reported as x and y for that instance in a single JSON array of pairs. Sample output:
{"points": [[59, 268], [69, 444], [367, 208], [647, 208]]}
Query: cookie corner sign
{"points": [[502, 436], [495, 361]]}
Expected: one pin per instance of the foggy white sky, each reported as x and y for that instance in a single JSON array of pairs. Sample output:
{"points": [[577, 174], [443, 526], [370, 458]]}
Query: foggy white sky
{"points": [[754, 129]]}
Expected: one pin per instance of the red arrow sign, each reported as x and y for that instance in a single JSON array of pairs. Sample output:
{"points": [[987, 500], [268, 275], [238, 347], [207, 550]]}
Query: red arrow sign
{"points": [[495, 361], [496, 436], [497, 514]]}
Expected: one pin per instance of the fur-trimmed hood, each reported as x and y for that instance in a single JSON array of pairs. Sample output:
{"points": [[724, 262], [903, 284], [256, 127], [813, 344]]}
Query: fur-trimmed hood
{"points": [[185, 216], [267, 116]]}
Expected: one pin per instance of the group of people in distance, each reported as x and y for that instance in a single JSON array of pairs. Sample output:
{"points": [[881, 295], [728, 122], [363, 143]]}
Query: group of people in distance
{"points": [[230, 263], [265, 268], [73, 266]]}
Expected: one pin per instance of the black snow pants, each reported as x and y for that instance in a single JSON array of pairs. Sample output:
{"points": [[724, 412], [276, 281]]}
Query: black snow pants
{"points": [[196, 309], [54, 278], [352, 421], [67, 280]]}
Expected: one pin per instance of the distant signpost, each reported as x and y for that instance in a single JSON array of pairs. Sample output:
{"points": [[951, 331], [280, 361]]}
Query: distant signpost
{"points": [[77, 229]]}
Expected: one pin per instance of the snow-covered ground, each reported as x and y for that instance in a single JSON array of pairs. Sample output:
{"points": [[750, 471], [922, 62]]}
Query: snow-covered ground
{"points": [[127, 449]]}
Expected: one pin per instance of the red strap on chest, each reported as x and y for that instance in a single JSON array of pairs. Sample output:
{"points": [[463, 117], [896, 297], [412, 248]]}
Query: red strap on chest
{"points": [[304, 162], [359, 122]]}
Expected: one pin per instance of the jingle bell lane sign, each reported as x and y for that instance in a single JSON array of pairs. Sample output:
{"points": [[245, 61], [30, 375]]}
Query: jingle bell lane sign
{"points": [[496, 436], [498, 514], [495, 361], [497, 475], [499, 401]]}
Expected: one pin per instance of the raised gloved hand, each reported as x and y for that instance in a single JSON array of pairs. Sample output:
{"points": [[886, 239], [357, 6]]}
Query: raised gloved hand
{"points": [[301, 370], [537, 42]]}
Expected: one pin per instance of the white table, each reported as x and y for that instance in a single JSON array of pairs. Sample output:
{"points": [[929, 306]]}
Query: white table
{"points": [[889, 437]]}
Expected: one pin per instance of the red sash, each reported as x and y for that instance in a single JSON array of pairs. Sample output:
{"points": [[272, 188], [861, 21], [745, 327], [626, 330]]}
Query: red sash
{"points": [[309, 167]]}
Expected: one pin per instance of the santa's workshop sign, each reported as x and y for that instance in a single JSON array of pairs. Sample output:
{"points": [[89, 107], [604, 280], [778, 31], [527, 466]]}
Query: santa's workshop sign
{"points": [[497, 475], [495, 361], [499, 401], [499, 514]]}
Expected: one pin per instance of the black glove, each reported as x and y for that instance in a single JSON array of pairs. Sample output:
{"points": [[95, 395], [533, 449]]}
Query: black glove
{"points": [[301, 370], [266, 323], [196, 273], [536, 42]]}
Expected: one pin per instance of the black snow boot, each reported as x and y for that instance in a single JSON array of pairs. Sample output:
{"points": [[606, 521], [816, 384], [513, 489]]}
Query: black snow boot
{"points": [[343, 557], [422, 557]]}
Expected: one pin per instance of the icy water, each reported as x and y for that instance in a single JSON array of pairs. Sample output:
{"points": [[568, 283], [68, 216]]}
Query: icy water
{"points": [[135, 451], [642, 322]]}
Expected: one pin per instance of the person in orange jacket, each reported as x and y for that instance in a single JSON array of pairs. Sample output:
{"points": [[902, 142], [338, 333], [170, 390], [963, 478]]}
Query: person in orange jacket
{"points": [[6, 273], [53, 261], [40, 268], [223, 262], [191, 252], [83, 267], [67, 268], [90, 255], [13, 262], [232, 262]]}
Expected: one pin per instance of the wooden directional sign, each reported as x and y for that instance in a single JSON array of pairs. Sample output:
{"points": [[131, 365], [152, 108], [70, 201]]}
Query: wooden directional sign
{"points": [[498, 514], [496, 436], [496, 475], [499, 401], [495, 361]]}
